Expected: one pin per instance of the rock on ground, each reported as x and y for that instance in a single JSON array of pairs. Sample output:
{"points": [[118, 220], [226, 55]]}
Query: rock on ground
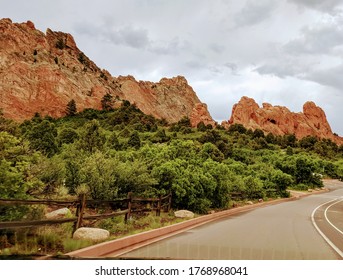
{"points": [[57, 214], [184, 214], [94, 234]]}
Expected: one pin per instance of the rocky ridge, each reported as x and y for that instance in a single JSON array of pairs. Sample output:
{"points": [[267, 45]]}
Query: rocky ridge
{"points": [[279, 120], [42, 72]]}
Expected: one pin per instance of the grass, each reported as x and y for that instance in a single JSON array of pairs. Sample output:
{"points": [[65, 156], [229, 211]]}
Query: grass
{"points": [[118, 228], [70, 244], [57, 240]]}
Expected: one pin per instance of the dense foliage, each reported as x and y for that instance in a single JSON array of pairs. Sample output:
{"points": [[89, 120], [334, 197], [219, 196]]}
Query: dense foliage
{"points": [[114, 151]]}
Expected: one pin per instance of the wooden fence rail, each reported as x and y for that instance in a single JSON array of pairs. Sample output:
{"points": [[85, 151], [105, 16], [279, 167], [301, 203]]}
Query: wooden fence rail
{"points": [[81, 205]]}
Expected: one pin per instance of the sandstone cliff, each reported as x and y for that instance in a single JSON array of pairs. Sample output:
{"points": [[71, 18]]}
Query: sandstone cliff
{"points": [[42, 72], [280, 121]]}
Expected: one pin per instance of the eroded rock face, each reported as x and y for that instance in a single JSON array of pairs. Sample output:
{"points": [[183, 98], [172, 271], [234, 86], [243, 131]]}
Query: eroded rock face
{"points": [[201, 114], [280, 121], [42, 72]]}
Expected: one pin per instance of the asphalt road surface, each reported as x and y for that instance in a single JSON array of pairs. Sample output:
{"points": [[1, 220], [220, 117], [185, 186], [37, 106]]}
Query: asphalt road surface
{"points": [[308, 228]]}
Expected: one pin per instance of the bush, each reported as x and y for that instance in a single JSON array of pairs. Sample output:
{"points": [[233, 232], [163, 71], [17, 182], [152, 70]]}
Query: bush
{"points": [[134, 140], [92, 137], [253, 188], [60, 44], [201, 126], [67, 136], [42, 137], [237, 127]]}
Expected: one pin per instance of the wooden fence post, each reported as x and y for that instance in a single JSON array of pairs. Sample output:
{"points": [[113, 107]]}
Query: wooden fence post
{"points": [[159, 203], [80, 211], [129, 206], [170, 201]]}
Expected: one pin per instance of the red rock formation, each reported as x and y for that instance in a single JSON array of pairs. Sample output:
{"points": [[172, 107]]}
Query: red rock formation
{"points": [[43, 72], [280, 121], [200, 114]]}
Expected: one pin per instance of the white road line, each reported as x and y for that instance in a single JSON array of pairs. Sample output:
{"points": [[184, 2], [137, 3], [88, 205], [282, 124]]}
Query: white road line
{"points": [[326, 217], [333, 246]]}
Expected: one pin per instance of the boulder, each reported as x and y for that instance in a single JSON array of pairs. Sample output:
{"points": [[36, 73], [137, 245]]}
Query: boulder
{"points": [[93, 234], [184, 214], [58, 214]]}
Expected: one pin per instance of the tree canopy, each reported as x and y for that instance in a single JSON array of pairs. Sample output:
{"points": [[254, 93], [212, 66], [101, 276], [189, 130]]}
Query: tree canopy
{"points": [[114, 151]]}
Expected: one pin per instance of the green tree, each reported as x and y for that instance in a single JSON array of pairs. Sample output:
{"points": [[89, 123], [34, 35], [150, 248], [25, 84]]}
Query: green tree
{"points": [[51, 173], [92, 137], [113, 142], [226, 182], [107, 102], [289, 140], [134, 140], [270, 138], [211, 136], [99, 175], [201, 126], [308, 142], [42, 137], [184, 122], [73, 159], [133, 176], [72, 175], [67, 136], [8, 125], [71, 109], [289, 151], [160, 136], [253, 188], [303, 171], [237, 127], [83, 59], [17, 175], [282, 182], [211, 151], [258, 133]]}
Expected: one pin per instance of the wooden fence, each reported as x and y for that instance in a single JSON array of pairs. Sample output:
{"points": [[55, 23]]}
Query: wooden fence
{"points": [[130, 205]]}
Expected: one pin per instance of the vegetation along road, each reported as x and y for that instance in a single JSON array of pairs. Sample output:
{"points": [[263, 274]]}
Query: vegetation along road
{"points": [[308, 228]]}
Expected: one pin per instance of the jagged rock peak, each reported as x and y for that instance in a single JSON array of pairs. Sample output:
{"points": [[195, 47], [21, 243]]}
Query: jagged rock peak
{"points": [[42, 72], [279, 120]]}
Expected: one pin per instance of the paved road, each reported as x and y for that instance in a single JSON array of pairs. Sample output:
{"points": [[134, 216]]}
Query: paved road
{"points": [[300, 229]]}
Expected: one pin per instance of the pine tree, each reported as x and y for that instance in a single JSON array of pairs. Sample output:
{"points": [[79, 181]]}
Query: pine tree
{"points": [[71, 109], [134, 140], [107, 102]]}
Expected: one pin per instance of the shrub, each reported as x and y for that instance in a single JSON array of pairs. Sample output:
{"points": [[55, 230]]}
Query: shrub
{"points": [[60, 44]]}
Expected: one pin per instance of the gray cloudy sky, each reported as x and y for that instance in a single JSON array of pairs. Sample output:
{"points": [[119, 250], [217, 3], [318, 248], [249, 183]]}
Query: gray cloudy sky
{"points": [[284, 52]]}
